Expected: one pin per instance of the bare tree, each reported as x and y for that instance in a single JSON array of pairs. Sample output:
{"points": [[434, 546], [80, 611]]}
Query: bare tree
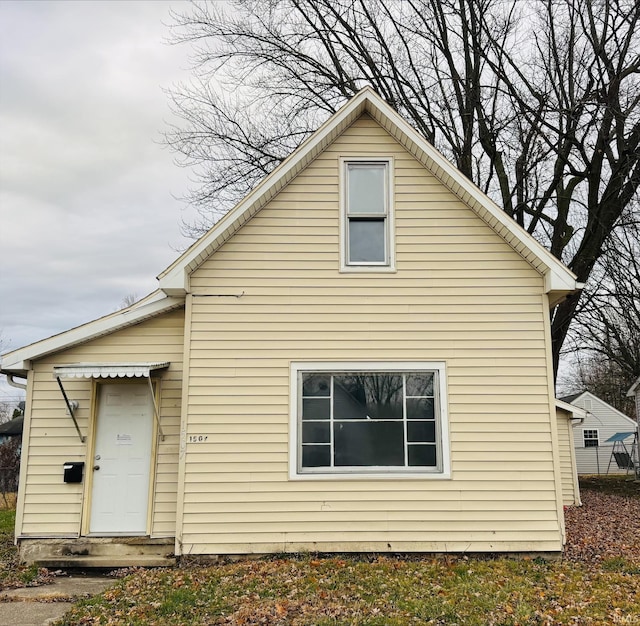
{"points": [[605, 338], [605, 379], [9, 468], [538, 103]]}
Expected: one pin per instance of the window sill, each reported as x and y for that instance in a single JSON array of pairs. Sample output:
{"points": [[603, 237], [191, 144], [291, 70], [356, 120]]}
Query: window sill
{"points": [[366, 269], [377, 476]]}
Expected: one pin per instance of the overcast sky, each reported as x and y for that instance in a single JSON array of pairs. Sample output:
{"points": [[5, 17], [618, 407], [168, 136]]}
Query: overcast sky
{"points": [[88, 204]]}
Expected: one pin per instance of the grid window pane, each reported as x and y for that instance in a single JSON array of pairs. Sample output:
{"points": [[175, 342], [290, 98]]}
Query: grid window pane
{"points": [[420, 384], [420, 408], [367, 188], [316, 432], [421, 431], [369, 444], [316, 408], [367, 241], [316, 456], [367, 396], [422, 455], [316, 385]]}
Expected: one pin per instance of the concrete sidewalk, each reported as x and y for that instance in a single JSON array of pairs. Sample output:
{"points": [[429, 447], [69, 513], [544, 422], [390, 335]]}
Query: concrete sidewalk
{"points": [[39, 606]]}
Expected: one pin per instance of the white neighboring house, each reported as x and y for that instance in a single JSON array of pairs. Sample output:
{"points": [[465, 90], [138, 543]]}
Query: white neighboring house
{"points": [[634, 393], [593, 452]]}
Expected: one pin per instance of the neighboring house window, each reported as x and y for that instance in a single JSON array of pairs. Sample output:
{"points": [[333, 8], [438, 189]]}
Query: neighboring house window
{"points": [[590, 437], [367, 238], [369, 418]]}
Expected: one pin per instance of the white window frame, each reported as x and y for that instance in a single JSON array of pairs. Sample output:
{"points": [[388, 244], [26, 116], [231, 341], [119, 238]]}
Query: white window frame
{"points": [[585, 438], [443, 471], [388, 265]]}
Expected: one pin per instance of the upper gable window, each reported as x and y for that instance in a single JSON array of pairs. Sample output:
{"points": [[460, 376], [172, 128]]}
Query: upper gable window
{"points": [[367, 237]]}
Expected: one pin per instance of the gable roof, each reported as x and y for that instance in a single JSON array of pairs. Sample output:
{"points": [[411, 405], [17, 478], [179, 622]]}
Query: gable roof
{"points": [[17, 362], [571, 398], [174, 281], [559, 280], [592, 396]]}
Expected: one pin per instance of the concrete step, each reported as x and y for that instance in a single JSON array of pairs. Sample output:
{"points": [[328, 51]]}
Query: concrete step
{"points": [[107, 562], [103, 552]]}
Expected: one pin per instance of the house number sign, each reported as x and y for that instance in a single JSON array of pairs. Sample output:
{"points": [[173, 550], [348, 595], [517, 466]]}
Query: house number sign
{"points": [[197, 438]]}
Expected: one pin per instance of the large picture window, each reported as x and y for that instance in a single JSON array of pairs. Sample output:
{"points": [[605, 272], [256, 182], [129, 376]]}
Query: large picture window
{"points": [[369, 419], [367, 214]]}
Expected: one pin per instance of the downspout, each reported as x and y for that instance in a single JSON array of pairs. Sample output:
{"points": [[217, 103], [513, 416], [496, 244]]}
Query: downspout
{"points": [[13, 383]]}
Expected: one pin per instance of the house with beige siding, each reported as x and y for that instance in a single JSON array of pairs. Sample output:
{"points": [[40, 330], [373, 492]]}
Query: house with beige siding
{"points": [[567, 416], [356, 358]]}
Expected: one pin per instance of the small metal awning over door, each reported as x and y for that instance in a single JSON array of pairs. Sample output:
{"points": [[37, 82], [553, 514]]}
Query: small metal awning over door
{"points": [[111, 370], [108, 370]]}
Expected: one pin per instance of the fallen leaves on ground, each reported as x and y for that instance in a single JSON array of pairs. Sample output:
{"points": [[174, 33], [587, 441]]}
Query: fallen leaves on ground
{"points": [[606, 527], [596, 584]]}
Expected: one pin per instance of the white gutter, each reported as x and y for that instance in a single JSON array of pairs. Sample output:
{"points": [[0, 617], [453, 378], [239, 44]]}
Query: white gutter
{"points": [[13, 383]]}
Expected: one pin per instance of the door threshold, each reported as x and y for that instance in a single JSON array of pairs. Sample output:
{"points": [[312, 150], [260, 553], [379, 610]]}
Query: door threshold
{"points": [[124, 534]]}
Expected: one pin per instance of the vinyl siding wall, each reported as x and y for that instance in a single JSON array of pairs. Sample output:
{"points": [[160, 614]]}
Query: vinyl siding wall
{"points": [[569, 477], [49, 507], [460, 295], [607, 421]]}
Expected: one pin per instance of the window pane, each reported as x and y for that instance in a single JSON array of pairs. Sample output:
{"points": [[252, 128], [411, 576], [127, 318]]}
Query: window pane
{"points": [[421, 431], [366, 188], [316, 408], [316, 432], [316, 385], [366, 241], [367, 396], [369, 443], [420, 384], [420, 408], [316, 456], [422, 455]]}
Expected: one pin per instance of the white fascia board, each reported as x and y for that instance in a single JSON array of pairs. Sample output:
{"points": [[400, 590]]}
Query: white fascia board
{"points": [[174, 279], [19, 361], [558, 277], [570, 408], [559, 280]]}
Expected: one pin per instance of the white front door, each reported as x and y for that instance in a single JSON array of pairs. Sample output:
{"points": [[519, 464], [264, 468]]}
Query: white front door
{"points": [[122, 460]]}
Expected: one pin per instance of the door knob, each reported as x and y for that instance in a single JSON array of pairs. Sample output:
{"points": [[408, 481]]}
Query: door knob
{"points": [[96, 467]]}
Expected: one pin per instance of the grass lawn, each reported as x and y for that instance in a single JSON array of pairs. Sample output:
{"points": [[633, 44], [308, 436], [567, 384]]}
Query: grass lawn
{"points": [[11, 574], [384, 591], [588, 587]]}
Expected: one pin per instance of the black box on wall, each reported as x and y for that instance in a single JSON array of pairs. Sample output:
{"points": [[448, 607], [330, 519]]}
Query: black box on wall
{"points": [[73, 471]]}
